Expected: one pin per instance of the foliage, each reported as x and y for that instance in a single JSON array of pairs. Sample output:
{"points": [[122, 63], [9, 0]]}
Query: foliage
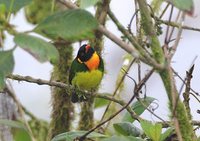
{"points": [[7, 65], [37, 47], [63, 25], [154, 131], [14, 5], [70, 136]]}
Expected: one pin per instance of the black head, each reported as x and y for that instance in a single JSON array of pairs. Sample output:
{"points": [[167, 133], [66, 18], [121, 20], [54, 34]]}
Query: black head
{"points": [[85, 52]]}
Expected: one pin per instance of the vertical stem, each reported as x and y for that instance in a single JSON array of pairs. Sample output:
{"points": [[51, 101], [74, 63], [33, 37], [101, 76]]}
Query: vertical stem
{"points": [[186, 94], [62, 108], [179, 116]]}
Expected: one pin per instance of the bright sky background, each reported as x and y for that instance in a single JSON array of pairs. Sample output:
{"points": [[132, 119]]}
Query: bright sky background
{"points": [[37, 98]]}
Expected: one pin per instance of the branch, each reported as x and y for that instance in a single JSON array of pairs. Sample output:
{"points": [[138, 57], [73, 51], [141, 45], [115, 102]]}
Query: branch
{"points": [[38, 81], [186, 94]]}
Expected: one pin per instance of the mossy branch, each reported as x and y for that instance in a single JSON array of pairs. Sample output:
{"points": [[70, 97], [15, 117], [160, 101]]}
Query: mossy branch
{"points": [[149, 29], [179, 117], [62, 108]]}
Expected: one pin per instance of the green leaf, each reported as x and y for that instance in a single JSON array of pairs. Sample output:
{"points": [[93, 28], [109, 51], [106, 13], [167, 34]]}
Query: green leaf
{"points": [[70, 136], [101, 102], [37, 47], [166, 134], [13, 124], [2, 83], [185, 5], [127, 129], [71, 25], [21, 135], [138, 108], [153, 131], [122, 138], [14, 5], [20, 131], [87, 3], [2, 8], [6, 65]]}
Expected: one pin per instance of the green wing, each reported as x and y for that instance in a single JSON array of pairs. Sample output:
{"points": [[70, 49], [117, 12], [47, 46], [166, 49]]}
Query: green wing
{"points": [[76, 67], [101, 66]]}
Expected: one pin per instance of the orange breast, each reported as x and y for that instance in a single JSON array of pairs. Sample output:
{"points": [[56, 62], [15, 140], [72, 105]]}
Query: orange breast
{"points": [[93, 62]]}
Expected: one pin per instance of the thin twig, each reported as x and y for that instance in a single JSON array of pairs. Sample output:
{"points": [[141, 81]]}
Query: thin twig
{"points": [[183, 80], [117, 88], [195, 97], [167, 31], [120, 102], [178, 37], [130, 24], [163, 12], [177, 25]]}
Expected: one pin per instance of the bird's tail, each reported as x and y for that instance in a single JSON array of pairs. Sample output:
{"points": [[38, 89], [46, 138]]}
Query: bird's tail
{"points": [[77, 98]]}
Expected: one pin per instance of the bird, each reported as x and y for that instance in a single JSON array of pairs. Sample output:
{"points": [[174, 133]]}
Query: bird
{"points": [[86, 72]]}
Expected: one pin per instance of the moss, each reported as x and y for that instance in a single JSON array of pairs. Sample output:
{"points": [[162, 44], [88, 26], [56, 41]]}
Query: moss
{"points": [[180, 111], [86, 120], [38, 10], [185, 126], [62, 108]]}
